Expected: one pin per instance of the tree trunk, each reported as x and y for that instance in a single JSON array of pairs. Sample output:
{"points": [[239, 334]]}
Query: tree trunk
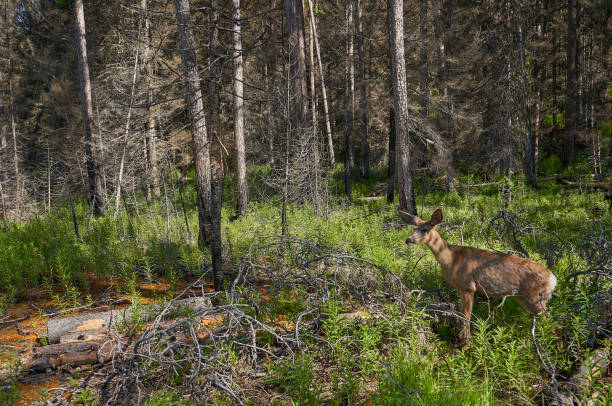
{"points": [[529, 144], [330, 142], [571, 102], [349, 106], [446, 113], [400, 102], [127, 129], [216, 158], [363, 102], [151, 142], [294, 13], [242, 188], [96, 189], [195, 106], [391, 162], [423, 85]]}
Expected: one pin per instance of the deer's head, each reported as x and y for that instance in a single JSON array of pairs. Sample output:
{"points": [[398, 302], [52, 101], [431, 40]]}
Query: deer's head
{"points": [[423, 228]]}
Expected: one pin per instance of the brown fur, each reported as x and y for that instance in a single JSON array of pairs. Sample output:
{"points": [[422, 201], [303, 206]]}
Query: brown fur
{"points": [[492, 274]]}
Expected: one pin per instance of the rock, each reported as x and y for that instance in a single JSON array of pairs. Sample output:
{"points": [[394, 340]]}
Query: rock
{"points": [[88, 327]]}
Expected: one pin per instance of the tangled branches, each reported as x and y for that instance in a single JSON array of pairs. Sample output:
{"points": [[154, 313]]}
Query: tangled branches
{"points": [[222, 347]]}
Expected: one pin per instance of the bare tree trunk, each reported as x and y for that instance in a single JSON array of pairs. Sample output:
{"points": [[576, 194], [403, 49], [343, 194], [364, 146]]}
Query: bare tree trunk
{"points": [[294, 13], [571, 103], [391, 162], [151, 142], [400, 101], [197, 117], [363, 102], [330, 142], [242, 189], [127, 130], [216, 158], [529, 147], [423, 73], [94, 172], [443, 76], [349, 107]]}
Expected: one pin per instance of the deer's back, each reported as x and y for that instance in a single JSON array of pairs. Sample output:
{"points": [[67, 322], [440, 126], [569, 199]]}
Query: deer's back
{"points": [[492, 273]]}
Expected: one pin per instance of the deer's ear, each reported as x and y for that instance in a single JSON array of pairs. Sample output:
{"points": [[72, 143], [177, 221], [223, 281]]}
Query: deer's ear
{"points": [[436, 217], [409, 218]]}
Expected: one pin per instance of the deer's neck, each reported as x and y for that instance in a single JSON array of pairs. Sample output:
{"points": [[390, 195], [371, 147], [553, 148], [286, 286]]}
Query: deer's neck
{"points": [[440, 248]]}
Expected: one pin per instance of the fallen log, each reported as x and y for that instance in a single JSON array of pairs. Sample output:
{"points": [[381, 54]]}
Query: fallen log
{"points": [[92, 326], [52, 357]]}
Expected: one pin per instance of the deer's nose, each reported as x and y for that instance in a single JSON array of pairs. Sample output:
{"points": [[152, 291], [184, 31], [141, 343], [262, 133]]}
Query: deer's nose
{"points": [[409, 241]]}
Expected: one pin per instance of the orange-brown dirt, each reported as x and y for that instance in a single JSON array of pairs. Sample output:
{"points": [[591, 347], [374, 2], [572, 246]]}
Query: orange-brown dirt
{"points": [[17, 339]]}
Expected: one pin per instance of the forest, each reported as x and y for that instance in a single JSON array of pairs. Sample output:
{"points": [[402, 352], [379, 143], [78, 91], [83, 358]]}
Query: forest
{"points": [[214, 202]]}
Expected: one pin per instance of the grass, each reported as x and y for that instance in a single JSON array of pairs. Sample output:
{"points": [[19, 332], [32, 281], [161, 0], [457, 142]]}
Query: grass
{"points": [[383, 362]]}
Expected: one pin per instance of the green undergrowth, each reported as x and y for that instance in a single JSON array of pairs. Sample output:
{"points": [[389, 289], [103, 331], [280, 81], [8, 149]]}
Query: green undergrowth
{"points": [[387, 361]]}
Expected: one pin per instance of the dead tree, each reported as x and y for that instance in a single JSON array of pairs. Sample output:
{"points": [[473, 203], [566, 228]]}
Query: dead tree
{"points": [[96, 189], [330, 142], [400, 102], [150, 140], [216, 158], [363, 100], [571, 104], [242, 189], [197, 117]]}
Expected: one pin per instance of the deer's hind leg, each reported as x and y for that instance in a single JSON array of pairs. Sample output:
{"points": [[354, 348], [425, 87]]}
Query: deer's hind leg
{"points": [[467, 301]]}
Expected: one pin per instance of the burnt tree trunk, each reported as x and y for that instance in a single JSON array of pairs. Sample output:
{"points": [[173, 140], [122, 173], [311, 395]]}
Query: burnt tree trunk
{"points": [[96, 189]]}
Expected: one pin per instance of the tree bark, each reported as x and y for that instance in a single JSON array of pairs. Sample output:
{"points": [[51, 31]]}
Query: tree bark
{"points": [[195, 106], [330, 142], [529, 144], [349, 107], [400, 102], [151, 139], [242, 188], [571, 102], [96, 189], [423, 74], [216, 158], [294, 13], [363, 102], [391, 162]]}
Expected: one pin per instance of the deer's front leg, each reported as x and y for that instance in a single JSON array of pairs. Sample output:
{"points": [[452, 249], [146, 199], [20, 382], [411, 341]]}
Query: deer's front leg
{"points": [[467, 301]]}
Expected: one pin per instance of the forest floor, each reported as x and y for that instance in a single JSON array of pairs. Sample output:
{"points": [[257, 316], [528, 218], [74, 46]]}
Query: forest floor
{"points": [[338, 311]]}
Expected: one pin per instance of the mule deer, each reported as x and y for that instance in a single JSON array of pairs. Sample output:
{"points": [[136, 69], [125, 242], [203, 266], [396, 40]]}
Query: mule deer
{"points": [[492, 274]]}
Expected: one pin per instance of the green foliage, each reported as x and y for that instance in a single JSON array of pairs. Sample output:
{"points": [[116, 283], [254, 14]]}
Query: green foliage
{"points": [[299, 380], [551, 164], [166, 398], [391, 359], [605, 128]]}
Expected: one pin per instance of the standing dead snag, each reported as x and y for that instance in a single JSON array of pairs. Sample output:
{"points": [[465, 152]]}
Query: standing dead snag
{"points": [[492, 274], [195, 106], [242, 189], [400, 103], [96, 189], [216, 158]]}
